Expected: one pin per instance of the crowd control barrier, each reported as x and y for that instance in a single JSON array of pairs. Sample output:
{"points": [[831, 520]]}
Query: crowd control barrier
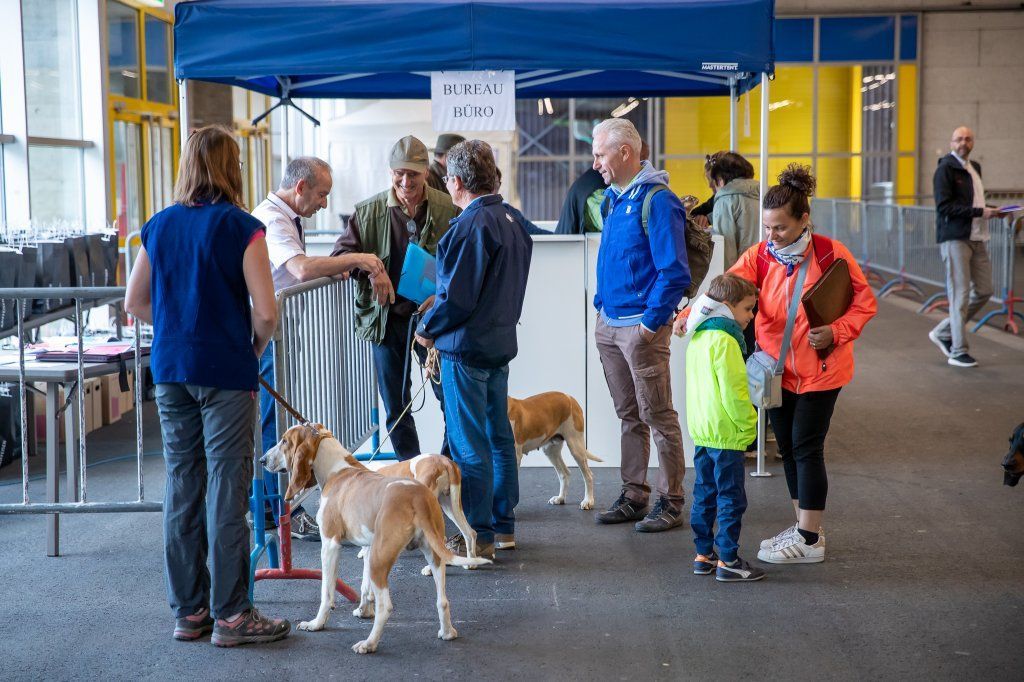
{"points": [[897, 250], [72, 377], [326, 373]]}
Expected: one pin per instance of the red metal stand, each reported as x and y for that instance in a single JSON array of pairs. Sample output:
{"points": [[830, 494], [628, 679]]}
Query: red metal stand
{"points": [[286, 572]]}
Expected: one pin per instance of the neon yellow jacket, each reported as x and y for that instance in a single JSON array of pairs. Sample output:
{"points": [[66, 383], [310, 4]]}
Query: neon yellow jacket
{"points": [[719, 413]]}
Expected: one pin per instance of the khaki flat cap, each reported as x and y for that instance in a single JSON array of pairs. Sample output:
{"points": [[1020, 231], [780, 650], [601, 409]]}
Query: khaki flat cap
{"points": [[409, 153]]}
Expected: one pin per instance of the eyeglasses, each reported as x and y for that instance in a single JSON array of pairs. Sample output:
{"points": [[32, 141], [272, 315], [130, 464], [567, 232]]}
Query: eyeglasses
{"points": [[411, 228], [447, 178]]}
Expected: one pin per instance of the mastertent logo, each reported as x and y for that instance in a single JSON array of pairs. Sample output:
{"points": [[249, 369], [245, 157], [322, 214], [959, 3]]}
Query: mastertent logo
{"points": [[719, 66]]}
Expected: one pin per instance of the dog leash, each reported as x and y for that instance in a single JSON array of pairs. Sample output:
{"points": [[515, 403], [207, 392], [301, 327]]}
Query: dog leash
{"points": [[288, 408], [432, 361]]}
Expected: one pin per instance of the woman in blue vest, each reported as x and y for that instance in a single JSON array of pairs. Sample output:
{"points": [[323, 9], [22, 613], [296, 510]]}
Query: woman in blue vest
{"points": [[202, 260]]}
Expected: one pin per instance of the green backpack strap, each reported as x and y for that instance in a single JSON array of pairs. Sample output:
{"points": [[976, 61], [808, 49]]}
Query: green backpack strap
{"points": [[645, 211]]}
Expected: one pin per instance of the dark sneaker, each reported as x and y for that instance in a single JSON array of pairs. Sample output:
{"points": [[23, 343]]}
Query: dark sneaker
{"points": [[738, 571], [622, 510], [304, 527], [962, 360], [193, 627], [945, 346], [504, 541], [249, 628], [456, 544], [705, 564], [661, 517]]}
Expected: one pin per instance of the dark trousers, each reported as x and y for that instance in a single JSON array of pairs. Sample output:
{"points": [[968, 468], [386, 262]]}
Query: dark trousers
{"points": [[393, 362], [208, 450], [718, 493], [800, 426]]}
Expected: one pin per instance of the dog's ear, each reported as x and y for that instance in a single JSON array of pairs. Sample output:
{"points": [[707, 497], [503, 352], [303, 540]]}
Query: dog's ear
{"points": [[302, 455]]}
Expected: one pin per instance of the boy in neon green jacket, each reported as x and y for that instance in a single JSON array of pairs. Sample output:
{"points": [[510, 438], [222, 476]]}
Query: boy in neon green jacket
{"points": [[722, 422]]}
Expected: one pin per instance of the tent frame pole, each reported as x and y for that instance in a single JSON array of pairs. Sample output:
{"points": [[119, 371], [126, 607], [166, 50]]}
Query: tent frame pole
{"points": [[184, 123], [763, 163], [732, 114]]}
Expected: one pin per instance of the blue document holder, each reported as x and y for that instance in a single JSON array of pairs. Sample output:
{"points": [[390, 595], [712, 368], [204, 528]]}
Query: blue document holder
{"points": [[419, 275]]}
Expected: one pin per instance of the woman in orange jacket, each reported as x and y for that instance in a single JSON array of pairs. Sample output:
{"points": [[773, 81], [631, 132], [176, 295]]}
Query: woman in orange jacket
{"points": [[810, 383]]}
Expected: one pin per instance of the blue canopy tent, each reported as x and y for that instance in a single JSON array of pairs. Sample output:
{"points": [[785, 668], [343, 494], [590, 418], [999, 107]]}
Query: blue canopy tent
{"points": [[558, 48]]}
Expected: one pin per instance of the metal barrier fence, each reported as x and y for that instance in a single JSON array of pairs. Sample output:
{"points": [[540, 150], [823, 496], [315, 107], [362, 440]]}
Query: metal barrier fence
{"points": [[896, 247], [77, 459], [320, 366]]}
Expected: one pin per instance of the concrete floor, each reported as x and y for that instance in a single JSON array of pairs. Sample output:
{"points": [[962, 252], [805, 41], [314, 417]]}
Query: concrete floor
{"points": [[923, 579]]}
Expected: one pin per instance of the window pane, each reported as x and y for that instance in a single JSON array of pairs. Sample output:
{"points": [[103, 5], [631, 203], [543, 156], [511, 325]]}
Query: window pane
{"points": [[51, 68], [838, 96], [698, 125], [160, 181], [542, 187], [835, 178], [123, 45], [542, 133], [158, 82], [127, 176], [686, 176], [790, 109], [55, 179], [590, 112], [906, 107]]}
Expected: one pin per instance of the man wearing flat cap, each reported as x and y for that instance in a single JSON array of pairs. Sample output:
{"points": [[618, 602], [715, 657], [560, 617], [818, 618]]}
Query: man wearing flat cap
{"points": [[385, 224], [439, 166]]}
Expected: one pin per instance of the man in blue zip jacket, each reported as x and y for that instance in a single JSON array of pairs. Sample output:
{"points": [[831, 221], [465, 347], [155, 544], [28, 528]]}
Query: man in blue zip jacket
{"points": [[482, 266], [642, 273]]}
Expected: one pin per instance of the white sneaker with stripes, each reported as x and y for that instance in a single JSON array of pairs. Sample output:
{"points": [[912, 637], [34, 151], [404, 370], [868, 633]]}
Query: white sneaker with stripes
{"points": [[792, 550], [767, 544]]}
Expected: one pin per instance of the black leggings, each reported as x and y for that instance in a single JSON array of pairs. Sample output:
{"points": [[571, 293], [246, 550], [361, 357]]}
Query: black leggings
{"points": [[800, 425]]}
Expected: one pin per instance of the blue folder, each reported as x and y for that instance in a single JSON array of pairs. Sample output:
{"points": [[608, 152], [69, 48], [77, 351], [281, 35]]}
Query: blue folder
{"points": [[419, 275]]}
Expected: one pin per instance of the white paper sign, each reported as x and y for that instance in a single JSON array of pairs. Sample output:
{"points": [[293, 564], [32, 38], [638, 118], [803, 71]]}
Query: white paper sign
{"points": [[473, 100]]}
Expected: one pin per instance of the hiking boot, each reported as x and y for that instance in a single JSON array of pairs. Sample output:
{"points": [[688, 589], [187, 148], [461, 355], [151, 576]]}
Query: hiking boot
{"points": [[622, 510], [456, 544], [191, 628], [304, 527], [661, 517], [504, 541], [249, 628]]}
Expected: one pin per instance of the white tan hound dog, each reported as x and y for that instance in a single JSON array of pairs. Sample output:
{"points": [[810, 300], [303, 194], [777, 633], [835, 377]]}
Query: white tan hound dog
{"points": [[442, 476], [545, 421], [370, 510]]}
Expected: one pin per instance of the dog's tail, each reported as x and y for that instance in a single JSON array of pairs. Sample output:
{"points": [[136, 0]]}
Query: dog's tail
{"points": [[431, 523], [578, 424]]}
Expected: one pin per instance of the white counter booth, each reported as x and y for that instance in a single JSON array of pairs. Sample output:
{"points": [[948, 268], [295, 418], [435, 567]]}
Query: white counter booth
{"points": [[557, 351]]}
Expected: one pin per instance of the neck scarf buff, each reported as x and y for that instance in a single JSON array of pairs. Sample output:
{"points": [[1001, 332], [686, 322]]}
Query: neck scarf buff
{"points": [[793, 255]]}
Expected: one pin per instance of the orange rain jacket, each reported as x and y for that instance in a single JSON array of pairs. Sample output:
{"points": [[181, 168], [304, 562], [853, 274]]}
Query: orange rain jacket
{"points": [[804, 370]]}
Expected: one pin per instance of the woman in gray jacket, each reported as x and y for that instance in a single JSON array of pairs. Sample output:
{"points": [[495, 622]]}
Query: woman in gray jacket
{"points": [[735, 216]]}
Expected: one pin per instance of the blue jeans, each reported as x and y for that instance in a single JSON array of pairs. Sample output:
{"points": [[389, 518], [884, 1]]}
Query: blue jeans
{"points": [[718, 491], [482, 444], [268, 429]]}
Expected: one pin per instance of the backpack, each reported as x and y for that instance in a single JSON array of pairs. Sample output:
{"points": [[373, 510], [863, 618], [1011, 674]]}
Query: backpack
{"points": [[824, 252], [698, 242]]}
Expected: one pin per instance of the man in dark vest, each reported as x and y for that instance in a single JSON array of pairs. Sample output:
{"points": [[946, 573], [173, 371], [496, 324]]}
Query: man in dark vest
{"points": [[385, 225]]}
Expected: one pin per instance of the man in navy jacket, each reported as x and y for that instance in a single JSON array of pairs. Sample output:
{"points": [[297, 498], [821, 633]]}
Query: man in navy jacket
{"points": [[482, 266], [642, 273]]}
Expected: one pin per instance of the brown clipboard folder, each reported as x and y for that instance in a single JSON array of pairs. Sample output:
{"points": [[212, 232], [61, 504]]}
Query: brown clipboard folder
{"points": [[829, 298]]}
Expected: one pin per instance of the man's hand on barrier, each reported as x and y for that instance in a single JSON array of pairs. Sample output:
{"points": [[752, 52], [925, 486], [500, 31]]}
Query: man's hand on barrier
{"points": [[382, 289], [371, 264], [425, 342], [427, 305]]}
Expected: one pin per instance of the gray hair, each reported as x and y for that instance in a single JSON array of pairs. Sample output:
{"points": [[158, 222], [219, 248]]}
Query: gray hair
{"points": [[303, 168], [619, 131], [472, 162]]}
